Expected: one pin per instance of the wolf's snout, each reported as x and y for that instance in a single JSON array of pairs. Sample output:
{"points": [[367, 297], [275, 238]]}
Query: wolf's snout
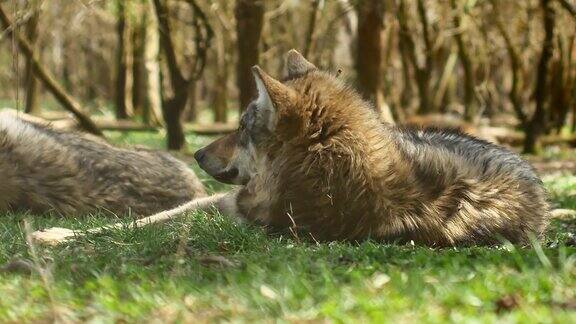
{"points": [[200, 155], [206, 163], [215, 167]]}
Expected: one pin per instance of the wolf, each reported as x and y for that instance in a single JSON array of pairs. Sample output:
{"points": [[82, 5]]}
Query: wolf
{"points": [[311, 157], [310, 154], [44, 169]]}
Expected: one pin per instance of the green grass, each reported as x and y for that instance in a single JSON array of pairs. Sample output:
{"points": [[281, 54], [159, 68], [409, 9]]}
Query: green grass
{"points": [[165, 273]]}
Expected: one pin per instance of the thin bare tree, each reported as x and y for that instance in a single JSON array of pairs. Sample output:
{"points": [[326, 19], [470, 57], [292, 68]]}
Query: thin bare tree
{"points": [[422, 71], [537, 125], [32, 89], [470, 104], [369, 54], [249, 21], [516, 66], [151, 66], [173, 105], [311, 30], [224, 40], [124, 62]]}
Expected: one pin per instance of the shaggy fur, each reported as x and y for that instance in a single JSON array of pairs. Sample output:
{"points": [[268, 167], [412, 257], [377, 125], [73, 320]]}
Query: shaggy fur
{"points": [[44, 169], [324, 163]]}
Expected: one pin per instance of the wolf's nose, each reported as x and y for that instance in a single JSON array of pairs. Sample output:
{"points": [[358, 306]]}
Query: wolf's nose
{"points": [[199, 155]]}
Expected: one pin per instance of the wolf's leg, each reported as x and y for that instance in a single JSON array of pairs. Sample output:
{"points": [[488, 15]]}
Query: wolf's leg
{"points": [[223, 202]]}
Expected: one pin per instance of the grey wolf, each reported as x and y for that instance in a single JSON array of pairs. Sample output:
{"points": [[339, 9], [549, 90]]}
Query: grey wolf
{"points": [[310, 156], [44, 169]]}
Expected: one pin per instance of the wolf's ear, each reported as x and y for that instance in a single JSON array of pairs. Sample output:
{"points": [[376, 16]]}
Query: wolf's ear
{"points": [[297, 65], [274, 98]]}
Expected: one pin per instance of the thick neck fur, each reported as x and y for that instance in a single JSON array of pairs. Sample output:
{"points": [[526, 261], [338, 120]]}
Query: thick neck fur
{"points": [[334, 165], [333, 170]]}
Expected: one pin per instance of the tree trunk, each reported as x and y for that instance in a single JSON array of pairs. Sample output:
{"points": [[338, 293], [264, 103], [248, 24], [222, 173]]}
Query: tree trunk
{"points": [[537, 124], [249, 20], [173, 106], [407, 91], [152, 88], [309, 43], [424, 78], [124, 80], [219, 102], [138, 69], [470, 105], [516, 65], [172, 111], [408, 46], [191, 110], [220, 93], [369, 48], [369, 54], [90, 92], [32, 90]]}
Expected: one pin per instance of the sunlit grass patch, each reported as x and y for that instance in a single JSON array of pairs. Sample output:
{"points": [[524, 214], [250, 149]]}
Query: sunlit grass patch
{"points": [[207, 267]]}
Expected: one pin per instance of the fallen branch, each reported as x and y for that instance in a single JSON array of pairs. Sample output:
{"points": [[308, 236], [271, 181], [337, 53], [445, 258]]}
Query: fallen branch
{"points": [[62, 121], [517, 139], [212, 129], [48, 80], [125, 125], [199, 129]]}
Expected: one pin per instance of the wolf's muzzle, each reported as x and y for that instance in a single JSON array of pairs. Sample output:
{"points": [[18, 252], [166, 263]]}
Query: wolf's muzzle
{"points": [[214, 167]]}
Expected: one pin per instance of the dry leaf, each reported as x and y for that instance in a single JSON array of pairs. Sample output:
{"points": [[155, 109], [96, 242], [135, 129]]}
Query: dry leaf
{"points": [[379, 280], [268, 292]]}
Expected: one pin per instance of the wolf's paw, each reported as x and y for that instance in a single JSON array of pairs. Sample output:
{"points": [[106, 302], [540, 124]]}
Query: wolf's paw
{"points": [[53, 236]]}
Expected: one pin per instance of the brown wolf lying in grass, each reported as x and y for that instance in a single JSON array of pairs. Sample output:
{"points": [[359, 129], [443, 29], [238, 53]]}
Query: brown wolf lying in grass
{"points": [[311, 156], [45, 169]]}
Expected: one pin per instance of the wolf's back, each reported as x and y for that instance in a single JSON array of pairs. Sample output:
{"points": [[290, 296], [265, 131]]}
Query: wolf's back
{"points": [[45, 169], [498, 193]]}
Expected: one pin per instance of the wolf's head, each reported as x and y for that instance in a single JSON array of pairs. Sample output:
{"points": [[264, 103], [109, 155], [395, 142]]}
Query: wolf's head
{"points": [[233, 158], [283, 112]]}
